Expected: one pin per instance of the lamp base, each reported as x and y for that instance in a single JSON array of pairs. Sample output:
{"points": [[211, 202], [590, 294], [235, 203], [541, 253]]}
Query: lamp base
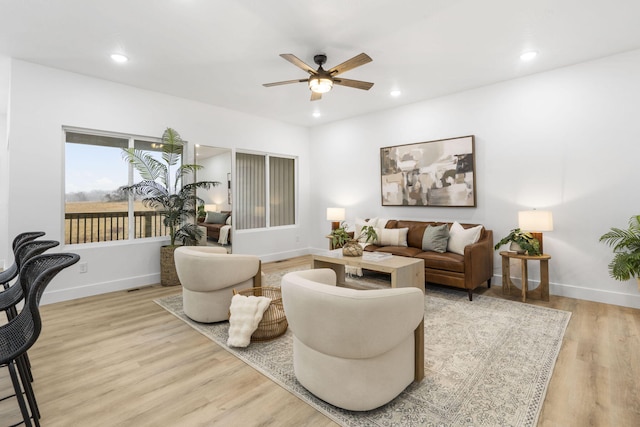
{"points": [[538, 237], [335, 225]]}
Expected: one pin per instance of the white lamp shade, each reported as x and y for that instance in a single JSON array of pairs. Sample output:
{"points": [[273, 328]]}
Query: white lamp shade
{"points": [[335, 214], [211, 208], [535, 220]]}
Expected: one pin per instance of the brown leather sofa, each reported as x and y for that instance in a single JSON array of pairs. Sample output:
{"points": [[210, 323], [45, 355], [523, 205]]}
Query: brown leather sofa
{"points": [[213, 229], [467, 271]]}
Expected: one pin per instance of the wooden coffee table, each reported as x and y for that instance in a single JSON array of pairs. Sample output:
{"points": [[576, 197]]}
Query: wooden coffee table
{"points": [[405, 272]]}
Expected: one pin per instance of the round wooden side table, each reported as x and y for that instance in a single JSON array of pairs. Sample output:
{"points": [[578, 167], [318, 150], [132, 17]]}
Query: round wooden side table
{"points": [[541, 292]]}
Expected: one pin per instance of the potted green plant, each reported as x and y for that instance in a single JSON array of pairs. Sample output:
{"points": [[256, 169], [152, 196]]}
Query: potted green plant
{"points": [[163, 189], [341, 238], [201, 213], [521, 241], [626, 248]]}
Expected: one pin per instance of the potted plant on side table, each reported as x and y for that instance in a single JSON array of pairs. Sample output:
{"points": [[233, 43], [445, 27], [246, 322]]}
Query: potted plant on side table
{"points": [[163, 189], [626, 248], [522, 242]]}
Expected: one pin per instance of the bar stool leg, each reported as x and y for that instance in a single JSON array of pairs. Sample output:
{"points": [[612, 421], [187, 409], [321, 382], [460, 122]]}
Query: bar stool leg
{"points": [[18, 390]]}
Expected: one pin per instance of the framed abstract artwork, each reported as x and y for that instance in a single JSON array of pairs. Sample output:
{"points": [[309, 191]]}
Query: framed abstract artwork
{"points": [[433, 173]]}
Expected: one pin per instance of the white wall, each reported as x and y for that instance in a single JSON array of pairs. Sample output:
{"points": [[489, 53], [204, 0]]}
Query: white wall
{"points": [[44, 99], [565, 140], [5, 81], [216, 169]]}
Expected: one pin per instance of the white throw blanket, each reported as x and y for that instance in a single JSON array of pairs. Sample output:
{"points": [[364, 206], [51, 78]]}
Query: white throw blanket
{"points": [[246, 314], [224, 234]]}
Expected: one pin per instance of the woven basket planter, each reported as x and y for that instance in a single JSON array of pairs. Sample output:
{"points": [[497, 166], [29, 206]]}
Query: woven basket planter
{"points": [[352, 248], [168, 273], [273, 323]]}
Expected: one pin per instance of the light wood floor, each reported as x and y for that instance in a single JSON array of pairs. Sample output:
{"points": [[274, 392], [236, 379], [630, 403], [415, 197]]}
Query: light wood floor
{"points": [[121, 360]]}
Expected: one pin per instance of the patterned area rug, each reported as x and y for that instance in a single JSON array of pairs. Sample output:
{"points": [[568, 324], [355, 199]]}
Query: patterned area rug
{"points": [[487, 362]]}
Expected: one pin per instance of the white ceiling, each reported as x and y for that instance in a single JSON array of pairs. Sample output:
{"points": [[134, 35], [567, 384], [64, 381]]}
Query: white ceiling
{"points": [[221, 51]]}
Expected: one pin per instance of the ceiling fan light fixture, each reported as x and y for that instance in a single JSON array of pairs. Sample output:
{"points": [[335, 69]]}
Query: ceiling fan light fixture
{"points": [[320, 84]]}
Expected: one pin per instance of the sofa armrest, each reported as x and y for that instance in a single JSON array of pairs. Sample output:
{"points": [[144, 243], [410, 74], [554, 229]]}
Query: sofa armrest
{"points": [[478, 261]]}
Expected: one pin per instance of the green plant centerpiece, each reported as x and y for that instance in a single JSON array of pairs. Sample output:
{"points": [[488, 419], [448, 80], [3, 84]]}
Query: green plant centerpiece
{"points": [[201, 214], [525, 243], [350, 245], [163, 189], [625, 264]]}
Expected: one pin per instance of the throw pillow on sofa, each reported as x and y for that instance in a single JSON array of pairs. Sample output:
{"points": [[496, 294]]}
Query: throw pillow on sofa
{"points": [[459, 237], [216, 217], [362, 222], [435, 238], [392, 236]]}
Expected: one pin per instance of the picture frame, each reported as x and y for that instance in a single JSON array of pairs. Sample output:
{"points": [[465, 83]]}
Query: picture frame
{"points": [[438, 173]]}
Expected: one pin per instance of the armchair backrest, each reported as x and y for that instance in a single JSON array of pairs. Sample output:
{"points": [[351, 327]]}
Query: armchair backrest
{"points": [[202, 267], [349, 323]]}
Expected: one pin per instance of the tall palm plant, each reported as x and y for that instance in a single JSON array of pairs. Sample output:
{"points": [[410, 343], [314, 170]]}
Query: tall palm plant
{"points": [[626, 249], [163, 187]]}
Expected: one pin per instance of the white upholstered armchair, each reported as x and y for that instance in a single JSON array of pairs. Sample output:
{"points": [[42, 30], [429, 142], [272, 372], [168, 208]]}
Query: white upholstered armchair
{"points": [[208, 275], [356, 349]]}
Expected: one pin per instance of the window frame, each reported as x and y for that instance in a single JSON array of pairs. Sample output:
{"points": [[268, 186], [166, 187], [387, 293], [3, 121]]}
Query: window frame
{"points": [[267, 181], [132, 139]]}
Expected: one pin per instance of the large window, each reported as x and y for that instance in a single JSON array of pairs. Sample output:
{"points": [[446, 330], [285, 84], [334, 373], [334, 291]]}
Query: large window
{"points": [[265, 191], [96, 208]]}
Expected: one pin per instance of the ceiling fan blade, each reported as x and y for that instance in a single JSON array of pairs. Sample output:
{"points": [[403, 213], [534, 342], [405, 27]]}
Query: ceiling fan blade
{"points": [[298, 63], [286, 82], [350, 64], [353, 83], [315, 96]]}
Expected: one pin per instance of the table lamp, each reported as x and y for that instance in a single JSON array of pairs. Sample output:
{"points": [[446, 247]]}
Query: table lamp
{"points": [[536, 222], [335, 215], [211, 208]]}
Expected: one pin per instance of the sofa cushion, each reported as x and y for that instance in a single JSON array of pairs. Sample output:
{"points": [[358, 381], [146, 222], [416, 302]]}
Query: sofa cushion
{"points": [[392, 237], [216, 217], [459, 237], [416, 231], [435, 238], [442, 261], [395, 250]]}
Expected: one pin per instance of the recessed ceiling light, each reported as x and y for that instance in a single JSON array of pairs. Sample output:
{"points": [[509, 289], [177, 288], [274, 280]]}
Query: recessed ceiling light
{"points": [[118, 57], [316, 114], [528, 56], [395, 93]]}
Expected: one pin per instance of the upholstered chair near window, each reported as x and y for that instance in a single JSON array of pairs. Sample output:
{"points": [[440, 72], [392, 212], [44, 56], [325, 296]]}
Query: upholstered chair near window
{"points": [[355, 349], [208, 275]]}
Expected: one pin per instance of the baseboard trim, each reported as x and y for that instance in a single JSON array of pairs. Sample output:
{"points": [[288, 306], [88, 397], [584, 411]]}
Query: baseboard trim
{"points": [[279, 256], [558, 289], [58, 295], [596, 295]]}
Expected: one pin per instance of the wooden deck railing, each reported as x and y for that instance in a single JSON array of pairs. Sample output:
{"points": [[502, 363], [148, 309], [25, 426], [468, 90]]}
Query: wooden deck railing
{"points": [[109, 226]]}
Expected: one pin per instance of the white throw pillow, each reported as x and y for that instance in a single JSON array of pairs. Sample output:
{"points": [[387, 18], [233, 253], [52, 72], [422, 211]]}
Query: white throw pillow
{"points": [[392, 236], [362, 222], [459, 237], [382, 222]]}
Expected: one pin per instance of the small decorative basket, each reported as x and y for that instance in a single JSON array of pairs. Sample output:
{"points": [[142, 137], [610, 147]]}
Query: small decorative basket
{"points": [[352, 248], [273, 323]]}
